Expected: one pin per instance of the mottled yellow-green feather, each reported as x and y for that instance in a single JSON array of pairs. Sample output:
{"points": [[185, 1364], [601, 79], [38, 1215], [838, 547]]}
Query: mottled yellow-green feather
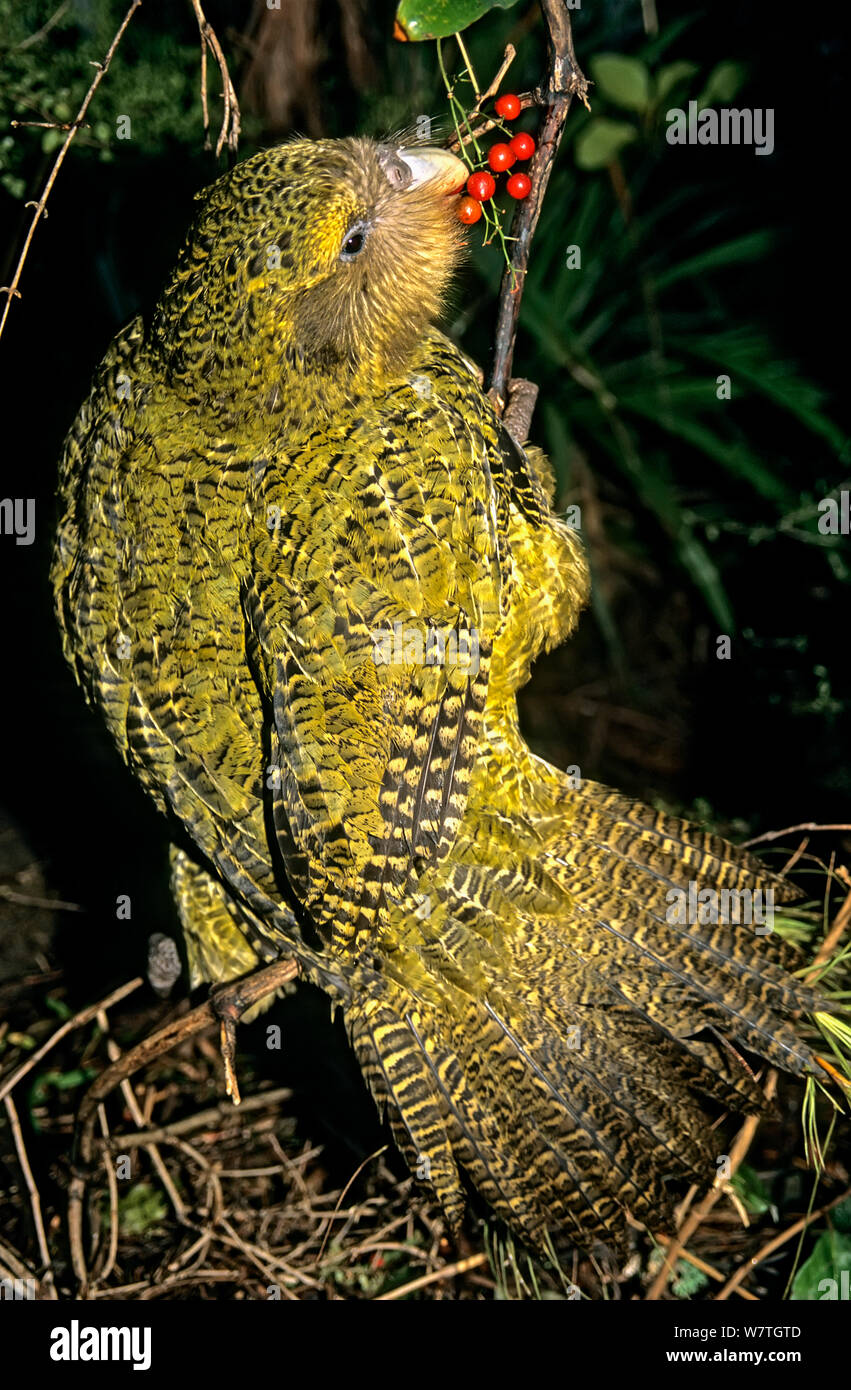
{"points": [[286, 463]]}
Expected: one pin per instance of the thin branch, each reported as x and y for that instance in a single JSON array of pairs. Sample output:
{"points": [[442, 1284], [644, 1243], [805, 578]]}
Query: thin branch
{"points": [[202, 1119], [45, 28], [47, 125], [35, 1200], [354, 1177], [435, 1277], [732, 1284], [78, 1020], [564, 81], [831, 941], [114, 1053], [705, 1268], [228, 1003], [790, 830], [108, 1265], [11, 291], [738, 1152], [526, 99], [27, 900], [11, 1266], [742, 1142], [231, 120], [507, 59]]}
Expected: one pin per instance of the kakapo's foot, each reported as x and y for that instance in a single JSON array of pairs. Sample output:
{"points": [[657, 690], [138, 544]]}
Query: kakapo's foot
{"points": [[519, 408]]}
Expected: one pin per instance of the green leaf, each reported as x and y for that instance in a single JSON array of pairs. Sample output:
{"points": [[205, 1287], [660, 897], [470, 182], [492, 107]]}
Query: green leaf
{"points": [[51, 140], [669, 77], [737, 459], [751, 1190], [841, 1215], [601, 141], [15, 187], [417, 20], [140, 1209], [831, 1255], [687, 1280], [625, 81], [58, 1007], [60, 1081], [722, 84], [750, 247], [696, 560], [779, 381]]}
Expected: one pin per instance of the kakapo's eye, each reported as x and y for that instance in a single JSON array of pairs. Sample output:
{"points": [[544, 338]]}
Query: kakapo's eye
{"points": [[354, 241]]}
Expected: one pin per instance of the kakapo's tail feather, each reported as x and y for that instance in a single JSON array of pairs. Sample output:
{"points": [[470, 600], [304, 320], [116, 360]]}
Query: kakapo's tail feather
{"points": [[551, 1032]]}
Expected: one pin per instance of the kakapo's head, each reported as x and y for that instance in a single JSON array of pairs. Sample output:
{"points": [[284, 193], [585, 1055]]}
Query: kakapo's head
{"points": [[325, 255]]}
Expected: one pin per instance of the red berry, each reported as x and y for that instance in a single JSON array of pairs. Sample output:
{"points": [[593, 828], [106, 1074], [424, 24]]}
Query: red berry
{"points": [[519, 185], [469, 211], [481, 185], [523, 145], [508, 107], [501, 157]]}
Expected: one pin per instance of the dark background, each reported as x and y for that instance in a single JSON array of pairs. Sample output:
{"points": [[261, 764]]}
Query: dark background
{"points": [[638, 699]]}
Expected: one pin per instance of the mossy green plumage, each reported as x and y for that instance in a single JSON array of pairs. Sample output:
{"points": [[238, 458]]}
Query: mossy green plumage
{"points": [[286, 464]]}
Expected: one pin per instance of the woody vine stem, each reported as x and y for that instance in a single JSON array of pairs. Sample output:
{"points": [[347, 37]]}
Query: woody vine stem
{"points": [[564, 80]]}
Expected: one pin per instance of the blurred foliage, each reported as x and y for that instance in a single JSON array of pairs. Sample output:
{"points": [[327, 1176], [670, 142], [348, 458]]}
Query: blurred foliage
{"points": [[751, 1191], [46, 56], [140, 1209], [820, 1276], [626, 306]]}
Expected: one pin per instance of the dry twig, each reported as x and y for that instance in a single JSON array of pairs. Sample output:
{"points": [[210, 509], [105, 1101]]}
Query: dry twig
{"points": [[77, 1021], [564, 81], [791, 830], [11, 291], [230, 116], [230, 1001], [739, 1150], [436, 1275], [35, 1200], [732, 1284]]}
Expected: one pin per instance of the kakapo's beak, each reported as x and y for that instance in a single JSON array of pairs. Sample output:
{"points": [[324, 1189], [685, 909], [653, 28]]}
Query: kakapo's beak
{"points": [[444, 172]]}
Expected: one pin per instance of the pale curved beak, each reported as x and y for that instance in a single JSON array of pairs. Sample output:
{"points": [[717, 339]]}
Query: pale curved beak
{"points": [[444, 171]]}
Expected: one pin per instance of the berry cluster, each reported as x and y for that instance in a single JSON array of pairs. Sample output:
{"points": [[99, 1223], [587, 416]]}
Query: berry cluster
{"points": [[481, 185]]}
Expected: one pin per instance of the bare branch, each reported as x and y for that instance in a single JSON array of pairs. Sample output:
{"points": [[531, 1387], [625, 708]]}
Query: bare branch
{"points": [[11, 291], [227, 1004], [564, 81], [76, 1021], [230, 117]]}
